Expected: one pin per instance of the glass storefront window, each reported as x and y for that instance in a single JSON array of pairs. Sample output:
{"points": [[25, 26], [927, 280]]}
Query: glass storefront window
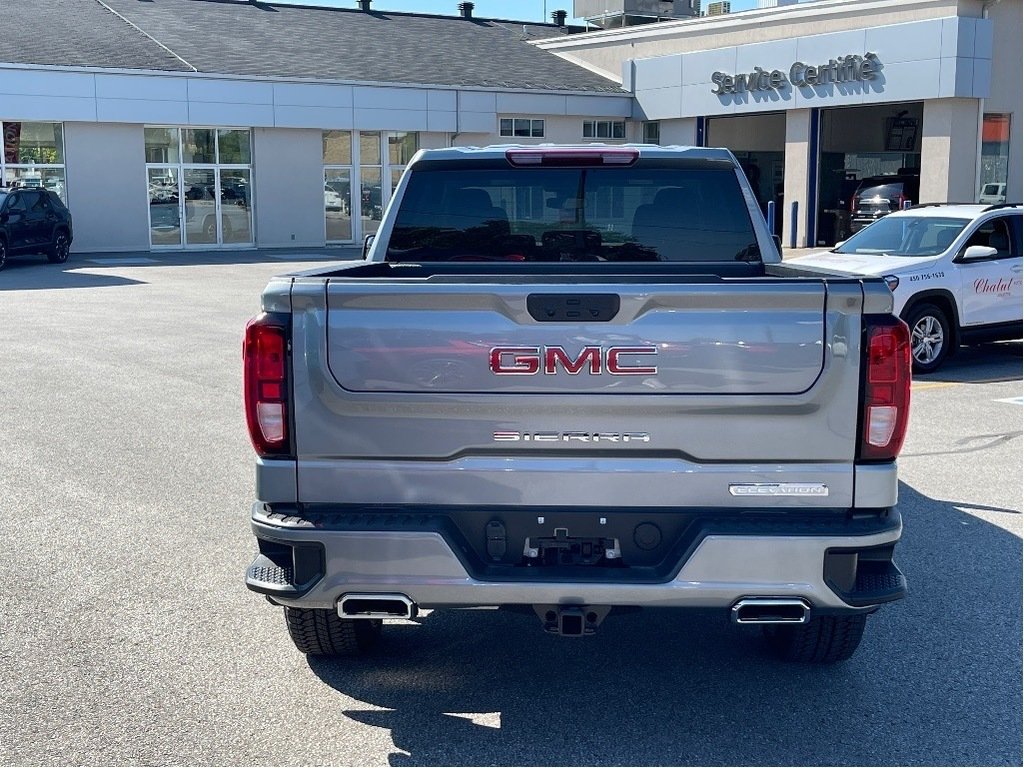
{"points": [[164, 206], [34, 143], [372, 199], [33, 156], [162, 145], [369, 147], [198, 146], [233, 147], [207, 205], [35, 177], [235, 208], [200, 193], [337, 147], [361, 171], [995, 158], [401, 147], [338, 203]]}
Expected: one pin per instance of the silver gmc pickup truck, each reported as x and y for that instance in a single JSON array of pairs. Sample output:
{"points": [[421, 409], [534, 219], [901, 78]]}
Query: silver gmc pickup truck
{"points": [[575, 381]]}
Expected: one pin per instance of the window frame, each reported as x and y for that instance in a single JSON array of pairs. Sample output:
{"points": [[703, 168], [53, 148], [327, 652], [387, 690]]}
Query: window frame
{"points": [[532, 125], [1006, 219], [180, 166], [656, 124], [597, 124], [355, 167], [61, 166]]}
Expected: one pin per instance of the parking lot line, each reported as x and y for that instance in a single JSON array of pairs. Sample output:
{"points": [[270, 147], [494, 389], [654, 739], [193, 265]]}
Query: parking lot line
{"points": [[918, 386]]}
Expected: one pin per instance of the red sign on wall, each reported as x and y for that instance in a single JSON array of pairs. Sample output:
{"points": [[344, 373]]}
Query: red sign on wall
{"points": [[12, 137]]}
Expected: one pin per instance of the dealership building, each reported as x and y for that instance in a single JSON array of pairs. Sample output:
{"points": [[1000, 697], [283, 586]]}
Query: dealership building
{"points": [[178, 124]]}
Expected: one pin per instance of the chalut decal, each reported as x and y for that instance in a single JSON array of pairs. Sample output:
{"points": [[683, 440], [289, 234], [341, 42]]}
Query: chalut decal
{"points": [[843, 69]]}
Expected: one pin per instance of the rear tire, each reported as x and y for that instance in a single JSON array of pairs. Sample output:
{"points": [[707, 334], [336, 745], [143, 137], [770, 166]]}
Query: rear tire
{"points": [[59, 249], [824, 640], [930, 337], [321, 632]]}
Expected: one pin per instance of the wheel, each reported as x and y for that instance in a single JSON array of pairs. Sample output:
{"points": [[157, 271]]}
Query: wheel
{"points": [[3, 253], [225, 229], [321, 632], [824, 640], [930, 338], [210, 228], [60, 248]]}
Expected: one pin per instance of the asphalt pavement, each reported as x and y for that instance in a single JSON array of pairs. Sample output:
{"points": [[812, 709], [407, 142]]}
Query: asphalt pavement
{"points": [[129, 637]]}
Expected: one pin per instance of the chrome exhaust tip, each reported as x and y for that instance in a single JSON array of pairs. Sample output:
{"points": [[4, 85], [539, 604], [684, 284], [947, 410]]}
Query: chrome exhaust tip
{"points": [[376, 606], [771, 610]]}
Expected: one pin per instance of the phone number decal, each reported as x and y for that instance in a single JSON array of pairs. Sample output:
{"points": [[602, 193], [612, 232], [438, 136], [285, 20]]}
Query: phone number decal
{"points": [[926, 276]]}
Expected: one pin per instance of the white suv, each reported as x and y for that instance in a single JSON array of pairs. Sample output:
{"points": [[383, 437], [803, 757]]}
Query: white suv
{"points": [[954, 270]]}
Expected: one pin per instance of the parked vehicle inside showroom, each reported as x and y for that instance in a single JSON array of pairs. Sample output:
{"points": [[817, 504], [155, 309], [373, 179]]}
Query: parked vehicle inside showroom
{"points": [[955, 272], [992, 193], [878, 196], [34, 221], [332, 200]]}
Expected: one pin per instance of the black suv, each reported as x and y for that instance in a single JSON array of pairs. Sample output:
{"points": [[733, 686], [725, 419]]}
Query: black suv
{"points": [[878, 195], [34, 221]]}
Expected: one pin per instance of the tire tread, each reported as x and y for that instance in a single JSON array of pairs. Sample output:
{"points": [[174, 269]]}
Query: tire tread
{"points": [[824, 640], [321, 632]]}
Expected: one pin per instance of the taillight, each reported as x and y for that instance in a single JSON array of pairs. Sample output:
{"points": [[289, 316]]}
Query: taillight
{"points": [[886, 388], [265, 355]]}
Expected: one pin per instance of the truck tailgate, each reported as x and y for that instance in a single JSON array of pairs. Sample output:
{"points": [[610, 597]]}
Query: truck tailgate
{"points": [[455, 391], [695, 339]]}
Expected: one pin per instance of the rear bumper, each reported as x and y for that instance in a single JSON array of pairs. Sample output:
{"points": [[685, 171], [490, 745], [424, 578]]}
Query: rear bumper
{"points": [[837, 565]]}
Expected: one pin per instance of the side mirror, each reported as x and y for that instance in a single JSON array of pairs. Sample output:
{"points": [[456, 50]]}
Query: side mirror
{"points": [[976, 252], [367, 242]]}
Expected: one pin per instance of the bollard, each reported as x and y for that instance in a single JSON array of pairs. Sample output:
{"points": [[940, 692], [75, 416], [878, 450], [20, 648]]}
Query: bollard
{"points": [[771, 217], [793, 211]]}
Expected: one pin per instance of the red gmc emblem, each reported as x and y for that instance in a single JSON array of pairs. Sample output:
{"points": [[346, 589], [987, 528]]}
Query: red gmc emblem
{"points": [[528, 361]]}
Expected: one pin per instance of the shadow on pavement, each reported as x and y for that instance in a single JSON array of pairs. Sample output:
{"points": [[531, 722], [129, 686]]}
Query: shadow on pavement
{"points": [[937, 679], [29, 275], [999, 361]]}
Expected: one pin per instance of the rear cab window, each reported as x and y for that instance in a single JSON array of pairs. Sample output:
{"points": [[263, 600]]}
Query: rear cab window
{"points": [[488, 210]]}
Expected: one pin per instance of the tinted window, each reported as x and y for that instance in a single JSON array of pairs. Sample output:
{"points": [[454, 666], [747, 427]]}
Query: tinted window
{"points": [[55, 202], [1015, 234], [905, 236], [37, 202], [573, 214], [994, 233], [17, 203], [881, 191]]}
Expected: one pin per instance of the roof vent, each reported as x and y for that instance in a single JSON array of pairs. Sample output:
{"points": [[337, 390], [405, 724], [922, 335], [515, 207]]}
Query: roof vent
{"points": [[559, 17], [364, 5], [466, 9]]}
